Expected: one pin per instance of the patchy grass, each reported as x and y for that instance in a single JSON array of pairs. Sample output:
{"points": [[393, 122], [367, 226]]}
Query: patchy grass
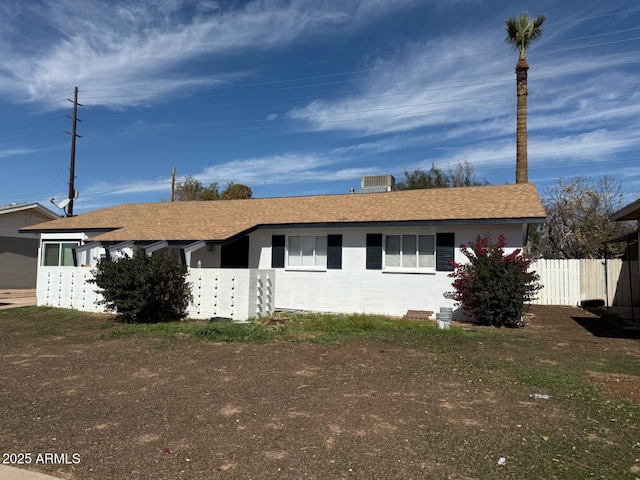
{"points": [[48, 321], [320, 396], [310, 328]]}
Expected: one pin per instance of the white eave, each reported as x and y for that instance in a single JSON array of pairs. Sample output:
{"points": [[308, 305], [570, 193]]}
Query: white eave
{"points": [[19, 207]]}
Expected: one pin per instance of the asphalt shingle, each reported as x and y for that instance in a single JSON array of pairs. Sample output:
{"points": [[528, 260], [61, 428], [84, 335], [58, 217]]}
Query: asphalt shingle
{"points": [[220, 220]]}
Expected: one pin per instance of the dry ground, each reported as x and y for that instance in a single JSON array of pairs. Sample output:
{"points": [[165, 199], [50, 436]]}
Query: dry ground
{"points": [[150, 408]]}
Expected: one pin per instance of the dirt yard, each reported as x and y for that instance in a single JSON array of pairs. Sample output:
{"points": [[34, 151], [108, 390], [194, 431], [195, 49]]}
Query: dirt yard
{"points": [[147, 408]]}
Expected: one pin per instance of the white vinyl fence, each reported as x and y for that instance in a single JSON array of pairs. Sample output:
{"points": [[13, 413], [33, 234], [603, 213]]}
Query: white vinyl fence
{"points": [[568, 282], [238, 294]]}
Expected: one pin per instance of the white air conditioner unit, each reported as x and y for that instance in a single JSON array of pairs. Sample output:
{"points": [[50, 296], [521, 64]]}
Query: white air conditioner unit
{"points": [[378, 182]]}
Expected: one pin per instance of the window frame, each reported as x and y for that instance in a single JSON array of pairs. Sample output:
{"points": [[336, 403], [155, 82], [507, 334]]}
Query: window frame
{"points": [[61, 249], [318, 255], [400, 266]]}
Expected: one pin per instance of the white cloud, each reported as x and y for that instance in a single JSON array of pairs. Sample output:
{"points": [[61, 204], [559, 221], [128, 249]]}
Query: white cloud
{"points": [[285, 169], [10, 152], [446, 81], [279, 169], [148, 44]]}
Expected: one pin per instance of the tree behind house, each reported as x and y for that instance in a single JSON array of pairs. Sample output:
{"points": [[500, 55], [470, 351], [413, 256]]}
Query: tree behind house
{"points": [[459, 175], [235, 191], [578, 219], [192, 189]]}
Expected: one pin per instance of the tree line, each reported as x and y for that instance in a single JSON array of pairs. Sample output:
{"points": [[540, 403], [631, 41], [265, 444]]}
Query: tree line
{"points": [[192, 189]]}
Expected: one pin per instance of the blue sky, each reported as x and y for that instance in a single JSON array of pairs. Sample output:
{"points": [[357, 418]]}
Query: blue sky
{"points": [[305, 97]]}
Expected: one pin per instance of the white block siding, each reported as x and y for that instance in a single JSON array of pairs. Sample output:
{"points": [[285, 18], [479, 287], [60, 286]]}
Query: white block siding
{"points": [[67, 287], [354, 289], [238, 294], [235, 293]]}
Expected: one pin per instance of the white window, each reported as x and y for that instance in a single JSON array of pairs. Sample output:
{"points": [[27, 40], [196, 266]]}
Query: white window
{"points": [[307, 251], [58, 254], [409, 252]]}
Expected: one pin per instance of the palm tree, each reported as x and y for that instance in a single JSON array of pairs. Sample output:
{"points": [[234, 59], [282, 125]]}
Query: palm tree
{"points": [[521, 31]]}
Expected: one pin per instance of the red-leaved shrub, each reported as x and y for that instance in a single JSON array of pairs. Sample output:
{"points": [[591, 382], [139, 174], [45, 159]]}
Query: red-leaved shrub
{"points": [[494, 287]]}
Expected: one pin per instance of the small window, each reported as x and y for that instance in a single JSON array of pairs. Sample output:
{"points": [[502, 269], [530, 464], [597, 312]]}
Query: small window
{"points": [[58, 254], [409, 252], [307, 251]]}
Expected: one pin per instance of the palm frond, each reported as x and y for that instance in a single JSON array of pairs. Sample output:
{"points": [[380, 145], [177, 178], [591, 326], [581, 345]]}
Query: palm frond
{"points": [[522, 30]]}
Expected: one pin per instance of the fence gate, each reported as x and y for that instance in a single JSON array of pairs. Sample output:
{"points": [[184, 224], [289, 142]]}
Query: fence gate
{"points": [[568, 282]]}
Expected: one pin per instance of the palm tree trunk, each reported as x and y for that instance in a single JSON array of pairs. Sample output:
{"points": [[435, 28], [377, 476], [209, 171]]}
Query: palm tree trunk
{"points": [[522, 168]]}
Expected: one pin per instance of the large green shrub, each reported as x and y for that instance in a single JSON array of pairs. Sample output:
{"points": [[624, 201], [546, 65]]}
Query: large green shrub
{"points": [[144, 289], [493, 287]]}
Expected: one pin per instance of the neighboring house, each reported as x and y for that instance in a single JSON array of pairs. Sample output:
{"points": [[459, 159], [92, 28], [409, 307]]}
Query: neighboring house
{"points": [[383, 253], [19, 252], [628, 288]]}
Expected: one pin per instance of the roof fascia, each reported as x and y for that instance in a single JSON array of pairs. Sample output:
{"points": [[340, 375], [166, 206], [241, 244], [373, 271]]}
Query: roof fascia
{"points": [[87, 231], [630, 209], [30, 206], [412, 223]]}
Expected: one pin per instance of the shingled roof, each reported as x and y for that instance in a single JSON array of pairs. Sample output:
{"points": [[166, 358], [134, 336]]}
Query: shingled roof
{"points": [[224, 219]]}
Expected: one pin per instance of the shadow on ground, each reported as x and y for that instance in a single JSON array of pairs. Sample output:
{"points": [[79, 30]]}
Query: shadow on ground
{"points": [[608, 324]]}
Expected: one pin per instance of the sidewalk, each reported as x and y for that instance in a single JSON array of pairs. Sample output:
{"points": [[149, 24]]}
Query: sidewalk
{"points": [[16, 298], [12, 473]]}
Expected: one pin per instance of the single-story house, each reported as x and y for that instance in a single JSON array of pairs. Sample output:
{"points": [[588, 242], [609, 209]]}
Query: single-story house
{"points": [[385, 253], [19, 253]]}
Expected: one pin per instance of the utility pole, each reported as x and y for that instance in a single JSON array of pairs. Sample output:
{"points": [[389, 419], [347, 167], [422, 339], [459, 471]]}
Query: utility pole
{"points": [[173, 184], [72, 166]]}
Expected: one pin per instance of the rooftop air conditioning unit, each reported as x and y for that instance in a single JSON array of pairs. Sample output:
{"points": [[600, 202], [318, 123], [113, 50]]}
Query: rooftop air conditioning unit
{"points": [[378, 183]]}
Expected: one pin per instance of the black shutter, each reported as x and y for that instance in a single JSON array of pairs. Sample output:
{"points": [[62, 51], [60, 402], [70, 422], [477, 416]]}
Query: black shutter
{"points": [[334, 252], [445, 245], [277, 251], [374, 251]]}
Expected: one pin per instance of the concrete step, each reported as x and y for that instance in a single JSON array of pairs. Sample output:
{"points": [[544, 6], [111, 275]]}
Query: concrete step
{"points": [[424, 315]]}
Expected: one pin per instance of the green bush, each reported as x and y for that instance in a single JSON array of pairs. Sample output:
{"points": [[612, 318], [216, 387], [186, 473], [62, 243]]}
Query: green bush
{"points": [[492, 286], [144, 289]]}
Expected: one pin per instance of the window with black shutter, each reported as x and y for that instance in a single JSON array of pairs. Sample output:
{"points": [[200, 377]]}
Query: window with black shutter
{"points": [[445, 246], [277, 251], [334, 252], [374, 251]]}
